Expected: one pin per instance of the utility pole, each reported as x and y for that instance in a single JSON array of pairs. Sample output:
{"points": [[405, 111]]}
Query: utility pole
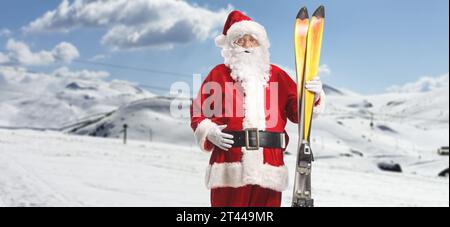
{"points": [[125, 127], [371, 127], [371, 121], [151, 134]]}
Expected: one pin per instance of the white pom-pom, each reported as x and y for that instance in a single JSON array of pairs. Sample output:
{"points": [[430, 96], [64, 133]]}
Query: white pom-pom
{"points": [[221, 40]]}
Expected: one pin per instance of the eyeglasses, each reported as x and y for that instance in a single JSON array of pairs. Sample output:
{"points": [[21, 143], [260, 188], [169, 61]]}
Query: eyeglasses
{"points": [[247, 41]]}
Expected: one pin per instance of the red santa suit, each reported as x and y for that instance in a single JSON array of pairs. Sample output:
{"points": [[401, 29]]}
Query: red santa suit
{"points": [[241, 177]]}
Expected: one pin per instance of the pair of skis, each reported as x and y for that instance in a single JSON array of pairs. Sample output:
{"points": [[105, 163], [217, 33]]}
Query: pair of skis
{"points": [[308, 42]]}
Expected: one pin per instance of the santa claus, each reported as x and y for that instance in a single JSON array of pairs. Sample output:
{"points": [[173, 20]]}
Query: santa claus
{"points": [[239, 117]]}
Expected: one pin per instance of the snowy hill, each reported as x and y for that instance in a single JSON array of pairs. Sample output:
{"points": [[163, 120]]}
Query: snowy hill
{"points": [[38, 100], [407, 129], [404, 131], [331, 90], [147, 119], [350, 140], [407, 125]]}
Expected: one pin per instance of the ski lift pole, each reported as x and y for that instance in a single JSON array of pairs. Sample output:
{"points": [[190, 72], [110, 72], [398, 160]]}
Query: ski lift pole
{"points": [[372, 124], [125, 127], [151, 135]]}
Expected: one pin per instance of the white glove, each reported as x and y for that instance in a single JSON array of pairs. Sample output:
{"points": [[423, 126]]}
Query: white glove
{"points": [[315, 86], [222, 140]]}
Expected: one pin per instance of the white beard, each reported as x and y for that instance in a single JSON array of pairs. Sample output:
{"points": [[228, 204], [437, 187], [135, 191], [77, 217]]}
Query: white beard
{"points": [[251, 69], [248, 65]]}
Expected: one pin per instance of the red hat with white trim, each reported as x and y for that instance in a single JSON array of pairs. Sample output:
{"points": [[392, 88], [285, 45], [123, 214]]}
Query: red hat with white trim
{"points": [[238, 25]]}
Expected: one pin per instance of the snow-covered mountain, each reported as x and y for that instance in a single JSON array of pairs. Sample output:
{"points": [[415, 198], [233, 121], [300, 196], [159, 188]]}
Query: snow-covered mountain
{"points": [[356, 134], [147, 119], [399, 128], [39, 100], [404, 126]]}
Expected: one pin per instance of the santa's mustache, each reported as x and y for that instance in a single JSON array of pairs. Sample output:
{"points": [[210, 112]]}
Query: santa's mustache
{"points": [[241, 50]]}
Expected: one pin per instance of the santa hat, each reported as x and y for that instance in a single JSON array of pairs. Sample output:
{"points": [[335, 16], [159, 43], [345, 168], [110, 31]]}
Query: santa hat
{"points": [[238, 25]]}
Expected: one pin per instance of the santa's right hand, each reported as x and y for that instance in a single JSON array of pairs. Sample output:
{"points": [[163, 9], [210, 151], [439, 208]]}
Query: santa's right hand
{"points": [[222, 140]]}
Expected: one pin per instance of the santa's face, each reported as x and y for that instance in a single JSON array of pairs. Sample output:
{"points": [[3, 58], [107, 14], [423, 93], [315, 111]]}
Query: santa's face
{"points": [[247, 60], [247, 41]]}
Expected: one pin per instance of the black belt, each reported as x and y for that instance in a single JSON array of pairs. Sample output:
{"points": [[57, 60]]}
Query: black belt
{"points": [[253, 139]]}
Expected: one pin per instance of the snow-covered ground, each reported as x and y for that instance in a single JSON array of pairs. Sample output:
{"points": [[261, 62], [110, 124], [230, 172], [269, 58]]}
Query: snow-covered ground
{"points": [[161, 164], [55, 169]]}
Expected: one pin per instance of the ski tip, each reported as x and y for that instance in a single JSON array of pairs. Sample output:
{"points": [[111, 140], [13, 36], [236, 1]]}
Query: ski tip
{"points": [[303, 14], [320, 12]]}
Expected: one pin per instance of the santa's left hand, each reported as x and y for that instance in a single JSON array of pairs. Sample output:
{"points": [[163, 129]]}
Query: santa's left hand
{"points": [[315, 86]]}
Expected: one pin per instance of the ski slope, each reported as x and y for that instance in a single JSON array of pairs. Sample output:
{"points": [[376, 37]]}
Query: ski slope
{"points": [[148, 119], [161, 163], [36, 171], [407, 129]]}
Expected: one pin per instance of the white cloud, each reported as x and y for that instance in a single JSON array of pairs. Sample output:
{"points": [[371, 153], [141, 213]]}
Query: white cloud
{"points": [[23, 80], [3, 58], [424, 84], [20, 80], [65, 52], [19, 53], [324, 70], [134, 24], [5, 32]]}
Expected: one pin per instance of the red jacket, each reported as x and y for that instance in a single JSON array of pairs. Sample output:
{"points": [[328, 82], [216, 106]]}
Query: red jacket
{"points": [[238, 167]]}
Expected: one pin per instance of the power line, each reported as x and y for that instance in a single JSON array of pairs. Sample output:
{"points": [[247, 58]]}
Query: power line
{"points": [[8, 68], [154, 87], [141, 69], [180, 75], [127, 67]]}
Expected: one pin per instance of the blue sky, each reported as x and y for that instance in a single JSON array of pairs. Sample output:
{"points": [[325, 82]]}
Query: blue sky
{"points": [[368, 45]]}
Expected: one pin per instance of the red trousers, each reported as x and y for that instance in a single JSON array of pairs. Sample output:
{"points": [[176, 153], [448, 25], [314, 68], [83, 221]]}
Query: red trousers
{"points": [[247, 196]]}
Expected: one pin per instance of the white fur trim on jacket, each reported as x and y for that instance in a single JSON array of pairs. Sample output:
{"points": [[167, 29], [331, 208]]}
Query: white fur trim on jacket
{"points": [[240, 29], [202, 131], [254, 104], [251, 171]]}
